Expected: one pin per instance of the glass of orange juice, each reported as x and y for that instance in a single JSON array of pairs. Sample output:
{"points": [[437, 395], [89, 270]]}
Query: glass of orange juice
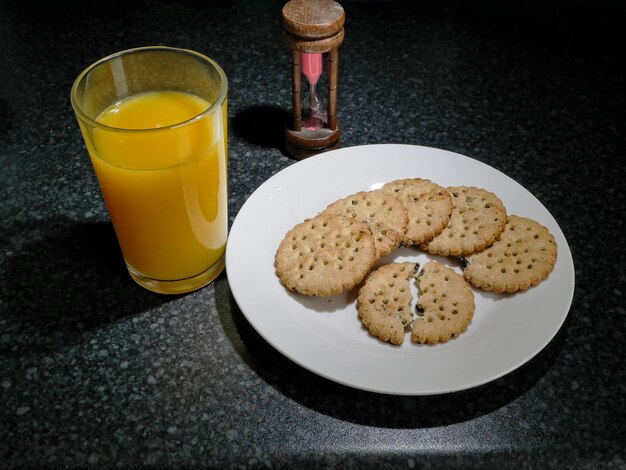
{"points": [[154, 124]]}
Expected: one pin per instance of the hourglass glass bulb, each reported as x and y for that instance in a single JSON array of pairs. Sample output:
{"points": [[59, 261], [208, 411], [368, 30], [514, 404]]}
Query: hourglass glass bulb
{"points": [[314, 113], [312, 66]]}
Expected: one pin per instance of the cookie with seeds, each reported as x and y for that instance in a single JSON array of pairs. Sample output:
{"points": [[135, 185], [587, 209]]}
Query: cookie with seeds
{"points": [[325, 255], [384, 301], [524, 255], [428, 206], [477, 220], [445, 304], [384, 215]]}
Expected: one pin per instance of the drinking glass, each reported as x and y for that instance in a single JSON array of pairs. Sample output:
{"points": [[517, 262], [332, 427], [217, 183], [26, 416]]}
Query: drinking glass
{"points": [[154, 121]]}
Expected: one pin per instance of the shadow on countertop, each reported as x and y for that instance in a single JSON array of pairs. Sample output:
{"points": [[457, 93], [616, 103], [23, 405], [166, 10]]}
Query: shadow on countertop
{"points": [[262, 125], [61, 278], [356, 406]]}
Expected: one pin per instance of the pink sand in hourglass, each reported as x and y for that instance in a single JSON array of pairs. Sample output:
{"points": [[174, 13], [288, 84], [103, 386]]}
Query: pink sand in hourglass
{"points": [[312, 66]]}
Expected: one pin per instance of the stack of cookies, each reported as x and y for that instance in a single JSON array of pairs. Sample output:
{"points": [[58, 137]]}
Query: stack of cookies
{"points": [[337, 250]]}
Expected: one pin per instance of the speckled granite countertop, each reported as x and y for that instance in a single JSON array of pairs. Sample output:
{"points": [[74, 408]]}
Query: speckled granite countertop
{"points": [[95, 371]]}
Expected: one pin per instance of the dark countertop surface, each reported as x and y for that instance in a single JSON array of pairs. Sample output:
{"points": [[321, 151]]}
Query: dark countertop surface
{"points": [[95, 371]]}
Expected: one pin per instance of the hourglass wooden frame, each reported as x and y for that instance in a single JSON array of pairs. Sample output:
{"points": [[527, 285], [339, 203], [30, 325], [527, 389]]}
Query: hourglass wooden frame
{"points": [[313, 26]]}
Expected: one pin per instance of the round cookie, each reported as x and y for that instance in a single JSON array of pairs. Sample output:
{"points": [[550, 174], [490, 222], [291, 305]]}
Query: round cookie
{"points": [[384, 215], [524, 255], [325, 255], [428, 206], [384, 301], [477, 220], [445, 304]]}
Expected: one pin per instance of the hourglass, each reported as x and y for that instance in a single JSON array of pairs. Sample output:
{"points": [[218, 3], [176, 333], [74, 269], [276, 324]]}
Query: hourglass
{"points": [[313, 29]]}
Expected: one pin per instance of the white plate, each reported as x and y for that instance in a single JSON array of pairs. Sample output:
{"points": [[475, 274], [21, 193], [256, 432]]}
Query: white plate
{"points": [[325, 335]]}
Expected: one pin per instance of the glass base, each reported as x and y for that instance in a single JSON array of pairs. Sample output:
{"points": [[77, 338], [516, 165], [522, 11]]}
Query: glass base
{"points": [[179, 286]]}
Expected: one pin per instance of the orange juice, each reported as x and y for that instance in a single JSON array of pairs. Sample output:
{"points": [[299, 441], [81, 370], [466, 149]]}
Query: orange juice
{"points": [[161, 166]]}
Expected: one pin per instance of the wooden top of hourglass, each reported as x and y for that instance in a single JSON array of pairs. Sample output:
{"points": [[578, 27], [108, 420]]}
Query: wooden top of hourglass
{"points": [[313, 25]]}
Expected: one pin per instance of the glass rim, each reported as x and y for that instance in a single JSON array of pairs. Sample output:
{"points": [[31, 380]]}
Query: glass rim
{"points": [[92, 122]]}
